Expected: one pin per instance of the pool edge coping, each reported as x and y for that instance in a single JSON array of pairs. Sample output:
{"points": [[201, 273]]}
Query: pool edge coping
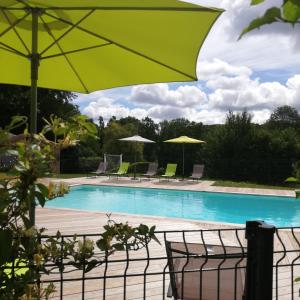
{"points": [[188, 190]]}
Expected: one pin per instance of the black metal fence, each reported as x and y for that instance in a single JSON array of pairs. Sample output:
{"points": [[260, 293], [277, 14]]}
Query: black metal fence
{"points": [[258, 262]]}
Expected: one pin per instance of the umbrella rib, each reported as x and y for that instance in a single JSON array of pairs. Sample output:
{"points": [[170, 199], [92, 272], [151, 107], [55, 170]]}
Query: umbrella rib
{"points": [[13, 24], [16, 32], [124, 8], [12, 50], [124, 47], [24, 3], [209, 9], [67, 32], [74, 51], [67, 59]]}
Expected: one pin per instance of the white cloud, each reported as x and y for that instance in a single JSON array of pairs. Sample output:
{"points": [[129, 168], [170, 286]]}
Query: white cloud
{"points": [[107, 107], [161, 94], [209, 70], [242, 92], [272, 47], [224, 87]]}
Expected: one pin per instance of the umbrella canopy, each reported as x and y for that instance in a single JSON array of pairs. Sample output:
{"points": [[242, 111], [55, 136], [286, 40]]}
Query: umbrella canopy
{"points": [[90, 45], [135, 139], [184, 140]]}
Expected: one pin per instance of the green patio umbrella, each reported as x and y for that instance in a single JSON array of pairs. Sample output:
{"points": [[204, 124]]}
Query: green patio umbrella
{"points": [[184, 140], [89, 45], [135, 139]]}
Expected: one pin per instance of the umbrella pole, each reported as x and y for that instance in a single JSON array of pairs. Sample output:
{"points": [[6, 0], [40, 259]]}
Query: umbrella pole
{"points": [[34, 59], [135, 160], [34, 71], [182, 161]]}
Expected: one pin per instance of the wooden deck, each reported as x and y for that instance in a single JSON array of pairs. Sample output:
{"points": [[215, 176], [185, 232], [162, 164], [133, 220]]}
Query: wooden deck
{"points": [[156, 285]]}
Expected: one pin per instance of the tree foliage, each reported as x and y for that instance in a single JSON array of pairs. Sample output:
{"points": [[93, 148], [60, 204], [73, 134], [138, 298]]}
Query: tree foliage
{"points": [[288, 12], [116, 130], [243, 151], [283, 117], [238, 150], [16, 100]]}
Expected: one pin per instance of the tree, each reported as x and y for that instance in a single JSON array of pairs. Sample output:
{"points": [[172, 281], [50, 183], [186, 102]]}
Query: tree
{"points": [[243, 151], [288, 12], [148, 129], [16, 101], [172, 153], [229, 148], [130, 120], [66, 134], [283, 117], [115, 131]]}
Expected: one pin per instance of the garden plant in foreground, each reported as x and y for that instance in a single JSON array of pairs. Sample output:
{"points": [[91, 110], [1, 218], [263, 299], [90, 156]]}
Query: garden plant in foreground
{"points": [[26, 254]]}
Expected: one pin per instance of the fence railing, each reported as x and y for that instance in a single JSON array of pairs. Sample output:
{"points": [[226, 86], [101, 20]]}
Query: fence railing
{"points": [[258, 262]]}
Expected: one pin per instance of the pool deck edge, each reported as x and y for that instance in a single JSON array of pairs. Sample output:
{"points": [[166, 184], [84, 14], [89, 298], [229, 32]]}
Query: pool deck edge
{"points": [[188, 185]]}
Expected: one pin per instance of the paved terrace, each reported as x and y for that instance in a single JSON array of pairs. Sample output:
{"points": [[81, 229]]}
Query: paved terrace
{"points": [[74, 221], [190, 185]]}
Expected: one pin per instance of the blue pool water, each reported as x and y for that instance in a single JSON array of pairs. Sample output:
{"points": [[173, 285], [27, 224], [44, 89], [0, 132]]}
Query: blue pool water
{"points": [[220, 207]]}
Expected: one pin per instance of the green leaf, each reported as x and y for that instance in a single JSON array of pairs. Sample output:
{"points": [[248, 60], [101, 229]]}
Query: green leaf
{"points": [[16, 121], [155, 239], [41, 198], [43, 189], [26, 221], [12, 152], [291, 11], [143, 229], [271, 15], [91, 265], [118, 247], [297, 279], [255, 2], [152, 229]]}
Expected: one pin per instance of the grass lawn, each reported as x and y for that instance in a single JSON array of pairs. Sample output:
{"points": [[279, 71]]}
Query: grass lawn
{"points": [[66, 176], [242, 184], [62, 176]]}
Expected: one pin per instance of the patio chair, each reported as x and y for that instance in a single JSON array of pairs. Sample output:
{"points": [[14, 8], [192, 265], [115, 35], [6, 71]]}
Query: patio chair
{"points": [[152, 170], [123, 169], [170, 171], [201, 272], [101, 170], [197, 172]]}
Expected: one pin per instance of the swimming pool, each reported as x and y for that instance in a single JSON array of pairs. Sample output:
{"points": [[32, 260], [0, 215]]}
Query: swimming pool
{"points": [[219, 207]]}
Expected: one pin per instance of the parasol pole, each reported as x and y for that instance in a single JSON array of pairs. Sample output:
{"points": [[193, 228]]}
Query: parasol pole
{"points": [[134, 178], [183, 161], [34, 64]]}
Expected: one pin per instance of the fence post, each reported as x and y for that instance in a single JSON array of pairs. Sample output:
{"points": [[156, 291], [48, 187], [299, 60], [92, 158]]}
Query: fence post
{"points": [[259, 271]]}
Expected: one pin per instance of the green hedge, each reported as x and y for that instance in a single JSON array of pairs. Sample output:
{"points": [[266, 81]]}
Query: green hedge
{"points": [[80, 165]]}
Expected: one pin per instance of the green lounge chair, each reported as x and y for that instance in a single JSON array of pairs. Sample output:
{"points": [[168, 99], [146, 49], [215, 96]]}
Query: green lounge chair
{"points": [[170, 171], [123, 169]]}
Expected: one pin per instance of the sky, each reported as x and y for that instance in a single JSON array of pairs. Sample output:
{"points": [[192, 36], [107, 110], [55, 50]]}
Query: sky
{"points": [[257, 73]]}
